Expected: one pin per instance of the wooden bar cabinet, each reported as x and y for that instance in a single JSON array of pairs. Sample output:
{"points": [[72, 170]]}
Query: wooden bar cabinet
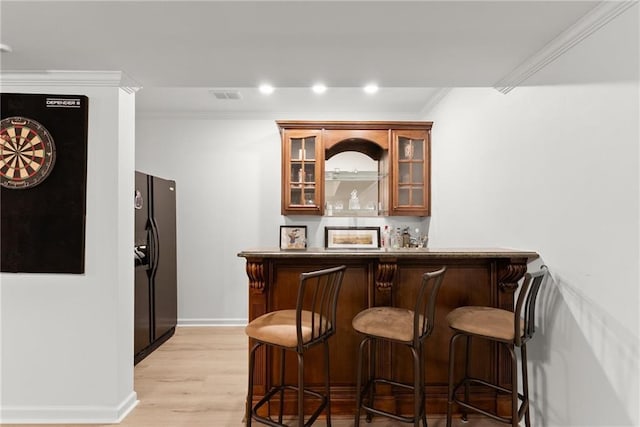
{"points": [[487, 277]]}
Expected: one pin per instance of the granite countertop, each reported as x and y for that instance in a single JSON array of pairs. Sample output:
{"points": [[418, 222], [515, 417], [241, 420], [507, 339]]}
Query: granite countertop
{"points": [[384, 252]]}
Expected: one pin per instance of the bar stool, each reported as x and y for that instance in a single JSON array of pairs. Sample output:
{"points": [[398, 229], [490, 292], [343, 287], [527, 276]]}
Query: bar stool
{"points": [[402, 326], [311, 323], [510, 329]]}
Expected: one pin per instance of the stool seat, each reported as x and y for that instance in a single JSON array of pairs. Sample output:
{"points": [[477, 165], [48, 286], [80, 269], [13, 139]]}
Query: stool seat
{"points": [[484, 321], [386, 322], [279, 327]]}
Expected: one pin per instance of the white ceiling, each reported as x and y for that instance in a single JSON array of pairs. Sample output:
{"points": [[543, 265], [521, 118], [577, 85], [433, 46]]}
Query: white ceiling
{"points": [[178, 50]]}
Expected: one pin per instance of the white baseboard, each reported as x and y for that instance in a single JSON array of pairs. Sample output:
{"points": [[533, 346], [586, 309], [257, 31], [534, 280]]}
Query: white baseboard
{"points": [[69, 414], [212, 322]]}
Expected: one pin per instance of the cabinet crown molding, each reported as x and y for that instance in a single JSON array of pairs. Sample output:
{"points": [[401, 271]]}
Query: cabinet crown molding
{"points": [[366, 125]]}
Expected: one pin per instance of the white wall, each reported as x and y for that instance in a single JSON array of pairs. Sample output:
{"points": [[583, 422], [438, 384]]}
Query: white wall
{"points": [[556, 169], [67, 340], [227, 179]]}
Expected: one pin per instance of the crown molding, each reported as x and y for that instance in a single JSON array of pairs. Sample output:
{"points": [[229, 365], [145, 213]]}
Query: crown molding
{"points": [[266, 115], [595, 19], [70, 78], [434, 100]]}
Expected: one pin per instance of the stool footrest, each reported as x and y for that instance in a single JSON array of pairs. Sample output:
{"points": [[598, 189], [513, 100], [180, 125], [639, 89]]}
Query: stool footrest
{"points": [[521, 410], [278, 389], [391, 415], [372, 410], [390, 382]]}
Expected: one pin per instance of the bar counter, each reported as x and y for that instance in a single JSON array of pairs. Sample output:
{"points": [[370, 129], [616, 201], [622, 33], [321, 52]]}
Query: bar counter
{"points": [[379, 277]]}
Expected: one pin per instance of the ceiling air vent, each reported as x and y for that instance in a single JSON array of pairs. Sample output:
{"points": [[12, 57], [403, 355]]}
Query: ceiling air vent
{"points": [[226, 94]]}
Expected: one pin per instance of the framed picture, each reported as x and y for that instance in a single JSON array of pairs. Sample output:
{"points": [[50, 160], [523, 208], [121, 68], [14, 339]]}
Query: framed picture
{"points": [[293, 237], [352, 237]]}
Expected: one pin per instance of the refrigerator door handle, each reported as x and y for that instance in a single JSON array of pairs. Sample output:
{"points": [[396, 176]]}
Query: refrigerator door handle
{"points": [[151, 253], [155, 247]]}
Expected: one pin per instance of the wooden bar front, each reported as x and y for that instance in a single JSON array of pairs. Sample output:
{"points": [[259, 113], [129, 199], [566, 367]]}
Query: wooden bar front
{"points": [[485, 277]]}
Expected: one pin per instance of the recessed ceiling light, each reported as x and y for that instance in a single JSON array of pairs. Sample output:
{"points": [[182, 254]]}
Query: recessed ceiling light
{"points": [[266, 89], [319, 88], [371, 88], [5, 48]]}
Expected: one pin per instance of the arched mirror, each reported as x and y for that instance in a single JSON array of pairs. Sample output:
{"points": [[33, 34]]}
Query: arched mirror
{"points": [[352, 185]]}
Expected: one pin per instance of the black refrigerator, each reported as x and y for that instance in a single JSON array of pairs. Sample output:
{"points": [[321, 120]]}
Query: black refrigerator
{"points": [[155, 306]]}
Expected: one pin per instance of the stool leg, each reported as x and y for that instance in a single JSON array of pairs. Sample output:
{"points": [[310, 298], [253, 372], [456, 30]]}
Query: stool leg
{"points": [[422, 392], [514, 384], [525, 384], [373, 351], [359, 382], [326, 383], [300, 390], [416, 388], [249, 404], [282, 356], [467, 357], [452, 358], [418, 400]]}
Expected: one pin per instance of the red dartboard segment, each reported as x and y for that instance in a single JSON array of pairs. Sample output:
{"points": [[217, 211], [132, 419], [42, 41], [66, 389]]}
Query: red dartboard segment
{"points": [[27, 153]]}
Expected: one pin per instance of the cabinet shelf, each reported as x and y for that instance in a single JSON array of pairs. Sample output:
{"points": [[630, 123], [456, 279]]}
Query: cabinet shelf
{"points": [[353, 212], [353, 176]]}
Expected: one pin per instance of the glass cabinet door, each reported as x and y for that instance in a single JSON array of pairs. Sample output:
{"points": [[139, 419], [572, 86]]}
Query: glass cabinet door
{"points": [[301, 171], [410, 176]]}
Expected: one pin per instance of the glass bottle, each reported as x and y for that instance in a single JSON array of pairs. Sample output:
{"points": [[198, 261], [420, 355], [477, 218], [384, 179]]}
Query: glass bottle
{"points": [[406, 238], [395, 238], [385, 237]]}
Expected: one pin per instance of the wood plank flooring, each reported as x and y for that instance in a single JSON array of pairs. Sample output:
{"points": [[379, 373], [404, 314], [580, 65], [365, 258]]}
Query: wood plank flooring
{"points": [[198, 378]]}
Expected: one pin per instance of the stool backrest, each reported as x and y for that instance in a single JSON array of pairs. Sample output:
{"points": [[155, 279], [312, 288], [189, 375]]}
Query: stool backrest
{"points": [[425, 309], [526, 306], [318, 294]]}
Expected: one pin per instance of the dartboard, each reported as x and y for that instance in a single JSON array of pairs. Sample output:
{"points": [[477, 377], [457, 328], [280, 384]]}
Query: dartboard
{"points": [[27, 153]]}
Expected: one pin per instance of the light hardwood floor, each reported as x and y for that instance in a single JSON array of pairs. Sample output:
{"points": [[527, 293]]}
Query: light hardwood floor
{"points": [[198, 378]]}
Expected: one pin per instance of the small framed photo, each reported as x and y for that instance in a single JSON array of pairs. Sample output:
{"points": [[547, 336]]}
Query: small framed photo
{"points": [[293, 237], [352, 237]]}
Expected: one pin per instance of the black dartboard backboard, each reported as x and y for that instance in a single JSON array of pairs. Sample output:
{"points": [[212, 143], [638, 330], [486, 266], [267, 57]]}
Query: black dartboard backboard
{"points": [[43, 176]]}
